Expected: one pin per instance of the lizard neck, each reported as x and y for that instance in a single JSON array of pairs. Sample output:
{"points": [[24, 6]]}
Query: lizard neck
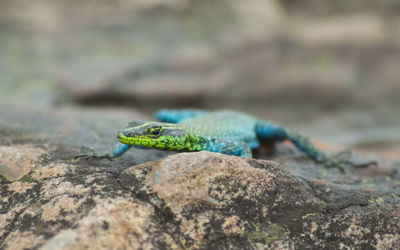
{"points": [[196, 143]]}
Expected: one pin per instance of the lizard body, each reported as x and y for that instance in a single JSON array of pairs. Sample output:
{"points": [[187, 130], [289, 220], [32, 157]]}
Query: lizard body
{"points": [[225, 131]]}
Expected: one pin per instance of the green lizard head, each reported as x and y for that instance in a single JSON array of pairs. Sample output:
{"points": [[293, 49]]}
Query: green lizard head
{"points": [[157, 135]]}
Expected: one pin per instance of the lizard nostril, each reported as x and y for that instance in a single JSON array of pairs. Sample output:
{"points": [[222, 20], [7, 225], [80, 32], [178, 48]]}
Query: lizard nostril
{"points": [[120, 134]]}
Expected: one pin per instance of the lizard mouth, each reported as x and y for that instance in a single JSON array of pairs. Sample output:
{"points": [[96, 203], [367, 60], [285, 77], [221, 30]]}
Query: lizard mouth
{"points": [[138, 141], [127, 139], [121, 135]]}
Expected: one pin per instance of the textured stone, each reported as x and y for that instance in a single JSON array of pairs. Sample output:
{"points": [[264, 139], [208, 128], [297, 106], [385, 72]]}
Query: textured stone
{"points": [[187, 200], [16, 161], [192, 200]]}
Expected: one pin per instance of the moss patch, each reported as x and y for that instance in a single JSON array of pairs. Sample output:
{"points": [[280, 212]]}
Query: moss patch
{"points": [[268, 234]]}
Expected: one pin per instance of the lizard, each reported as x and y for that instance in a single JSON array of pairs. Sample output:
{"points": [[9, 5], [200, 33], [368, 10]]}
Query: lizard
{"points": [[225, 131]]}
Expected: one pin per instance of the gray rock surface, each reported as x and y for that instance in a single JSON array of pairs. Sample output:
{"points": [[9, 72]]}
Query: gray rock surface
{"points": [[147, 199]]}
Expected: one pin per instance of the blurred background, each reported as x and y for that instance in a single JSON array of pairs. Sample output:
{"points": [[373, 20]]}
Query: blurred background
{"points": [[330, 69]]}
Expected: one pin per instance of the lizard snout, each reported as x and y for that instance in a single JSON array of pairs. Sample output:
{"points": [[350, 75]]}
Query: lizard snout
{"points": [[122, 134]]}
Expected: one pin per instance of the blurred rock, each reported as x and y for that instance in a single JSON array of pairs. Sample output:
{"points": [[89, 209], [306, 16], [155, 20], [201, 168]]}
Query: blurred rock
{"points": [[307, 8], [294, 62], [356, 30]]}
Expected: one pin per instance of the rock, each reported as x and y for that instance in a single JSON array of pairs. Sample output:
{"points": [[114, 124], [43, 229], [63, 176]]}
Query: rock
{"points": [[151, 199], [356, 30], [114, 223], [17, 161], [193, 200]]}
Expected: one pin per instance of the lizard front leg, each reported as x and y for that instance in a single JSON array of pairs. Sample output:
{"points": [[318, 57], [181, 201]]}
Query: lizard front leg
{"points": [[117, 150]]}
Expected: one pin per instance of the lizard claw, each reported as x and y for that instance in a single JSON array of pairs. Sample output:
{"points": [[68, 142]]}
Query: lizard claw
{"points": [[342, 160], [92, 154], [333, 162]]}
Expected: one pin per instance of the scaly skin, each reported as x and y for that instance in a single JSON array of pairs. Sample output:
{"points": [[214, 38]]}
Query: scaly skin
{"points": [[163, 136], [227, 132]]}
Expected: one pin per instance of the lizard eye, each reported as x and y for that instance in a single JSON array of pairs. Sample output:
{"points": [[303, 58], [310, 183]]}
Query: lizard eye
{"points": [[155, 132]]}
